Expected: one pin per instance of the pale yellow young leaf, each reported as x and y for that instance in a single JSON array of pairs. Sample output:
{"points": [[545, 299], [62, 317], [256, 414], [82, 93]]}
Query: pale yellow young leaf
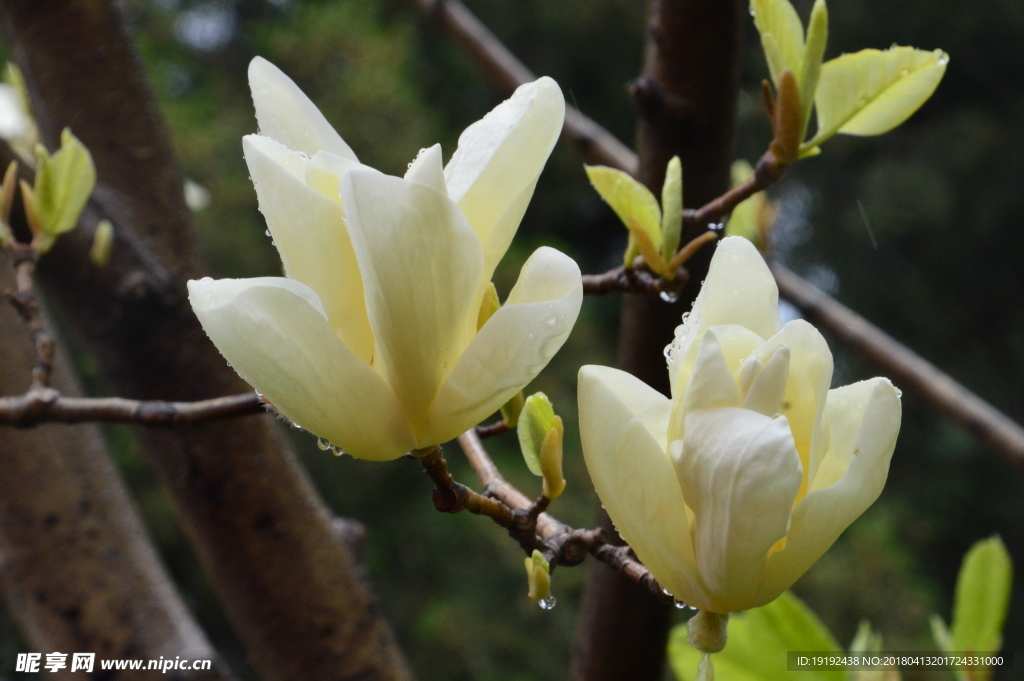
{"points": [[872, 91], [63, 184], [672, 208], [782, 35], [630, 200], [814, 54]]}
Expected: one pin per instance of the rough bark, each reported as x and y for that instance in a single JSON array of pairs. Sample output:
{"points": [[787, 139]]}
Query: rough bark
{"points": [[291, 588], [686, 100], [77, 570]]}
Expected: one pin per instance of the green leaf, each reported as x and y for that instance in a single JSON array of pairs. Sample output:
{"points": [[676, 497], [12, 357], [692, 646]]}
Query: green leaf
{"points": [[871, 92], [758, 642], [672, 208], [535, 420], [782, 35], [63, 184], [628, 198], [982, 597], [814, 53]]}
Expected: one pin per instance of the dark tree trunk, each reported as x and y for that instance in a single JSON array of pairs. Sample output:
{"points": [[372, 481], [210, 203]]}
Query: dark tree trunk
{"points": [[283, 573], [686, 98]]}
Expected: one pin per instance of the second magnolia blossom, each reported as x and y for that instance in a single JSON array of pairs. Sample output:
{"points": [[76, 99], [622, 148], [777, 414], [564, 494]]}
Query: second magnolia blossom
{"points": [[730, 490], [383, 337]]}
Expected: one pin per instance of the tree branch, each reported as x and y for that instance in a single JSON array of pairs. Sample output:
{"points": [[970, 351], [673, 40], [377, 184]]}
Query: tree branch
{"points": [[526, 521], [907, 369], [46, 405]]}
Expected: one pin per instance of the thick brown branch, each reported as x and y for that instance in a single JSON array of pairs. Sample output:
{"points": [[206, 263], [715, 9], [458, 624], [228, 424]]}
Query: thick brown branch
{"points": [[44, 405], [907, 369]]}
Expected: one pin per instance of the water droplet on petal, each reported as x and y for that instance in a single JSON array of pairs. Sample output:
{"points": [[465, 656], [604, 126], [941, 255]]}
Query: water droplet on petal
{"points": [[322, 444], [899, 393], [551, 321], [666, 591], [267, 232], [338, 451], [679, 604], [548, 603], [668, 296]]}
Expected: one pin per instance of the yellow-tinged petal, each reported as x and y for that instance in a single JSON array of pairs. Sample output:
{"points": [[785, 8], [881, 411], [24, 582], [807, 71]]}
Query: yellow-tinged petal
{"points": [[807, 384], [428, 170], [324, 171], [872, 91], [767, 390], [421, 266], [711, 384], [493, 172], [287, 115], [863, 420], [513, 346], [308, 228], [739, 289], [274, 333], [740, 473], [635, 480]]}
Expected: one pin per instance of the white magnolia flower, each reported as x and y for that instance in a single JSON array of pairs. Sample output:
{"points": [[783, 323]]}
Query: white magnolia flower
{"points": [[729, 491], [372, 341]]}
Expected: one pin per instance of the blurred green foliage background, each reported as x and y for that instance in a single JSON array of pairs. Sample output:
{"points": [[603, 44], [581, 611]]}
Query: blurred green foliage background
{"points": [[919, 230]]}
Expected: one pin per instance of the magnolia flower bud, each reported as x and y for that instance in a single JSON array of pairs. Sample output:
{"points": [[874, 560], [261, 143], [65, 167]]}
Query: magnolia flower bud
{"points": [[730, 490], [102, 241], [538, 576], [540, 433]]}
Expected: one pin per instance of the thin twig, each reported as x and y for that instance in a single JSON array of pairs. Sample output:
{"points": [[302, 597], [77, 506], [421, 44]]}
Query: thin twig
{"points": [[46, 405], [563, 545], [491, 429], [634, 280]]}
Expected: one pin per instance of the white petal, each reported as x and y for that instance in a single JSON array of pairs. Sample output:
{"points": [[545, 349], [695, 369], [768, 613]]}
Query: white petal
{"points": [[421, 265], [309, 231], [768, 389], [273, 332], [739, 289], [635, 481], [710, 385], [864, 420], [810, 375], [285, 113], [740, 473], [325, 170], [492, 173], [427, 169], [513, 346]]}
